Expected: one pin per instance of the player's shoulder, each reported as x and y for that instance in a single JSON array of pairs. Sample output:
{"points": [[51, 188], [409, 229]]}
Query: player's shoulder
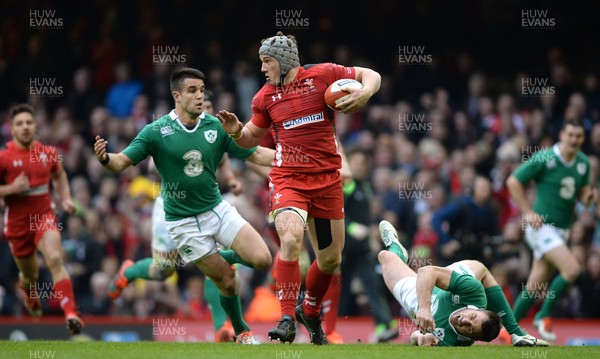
{"points": [[38, 144], [259, 98], [163, 125], [547, 153], [320, 69], [210, 120], [323, 66], [582, 157], [543, 156]]}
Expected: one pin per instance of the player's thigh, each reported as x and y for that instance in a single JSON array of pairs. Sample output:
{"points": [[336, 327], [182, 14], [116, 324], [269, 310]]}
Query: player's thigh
{"points": [[251, 247], [540, 274], [290, 223], [564, 261], [327, 198], [219, 271], [23, 249], [50, 247], [393, 268], [288, 194], [401, 281], [544, 239], [28, 266], [327, 239]]}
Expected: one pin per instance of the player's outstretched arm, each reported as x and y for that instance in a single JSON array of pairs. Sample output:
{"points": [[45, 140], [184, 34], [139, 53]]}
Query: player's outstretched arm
{"points": [[427, 278], [262, 156], [114, 162], [245, 136]]}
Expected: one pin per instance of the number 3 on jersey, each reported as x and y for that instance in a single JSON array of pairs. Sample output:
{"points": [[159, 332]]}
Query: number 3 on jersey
{"points": [[194, 167], [567, 188]]}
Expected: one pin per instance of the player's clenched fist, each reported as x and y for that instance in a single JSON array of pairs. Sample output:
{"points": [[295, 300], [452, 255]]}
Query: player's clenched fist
{"points": [[21, 183], [424, 320]]}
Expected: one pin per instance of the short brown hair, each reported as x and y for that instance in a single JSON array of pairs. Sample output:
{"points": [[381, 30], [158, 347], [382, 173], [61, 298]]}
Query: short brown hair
{"points": [[183, 73], [490, 328], [575, 122], [20, 108]]}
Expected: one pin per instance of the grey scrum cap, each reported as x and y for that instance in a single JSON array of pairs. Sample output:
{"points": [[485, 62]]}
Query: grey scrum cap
{"points": [[282, 49]]}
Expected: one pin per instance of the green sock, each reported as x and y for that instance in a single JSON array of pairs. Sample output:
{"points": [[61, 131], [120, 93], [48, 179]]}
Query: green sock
{"points": [[141, 269], [557, 289], [395, 248], [211, 293], [233, 308], [233, 258], [498, 304], [522, 304]]}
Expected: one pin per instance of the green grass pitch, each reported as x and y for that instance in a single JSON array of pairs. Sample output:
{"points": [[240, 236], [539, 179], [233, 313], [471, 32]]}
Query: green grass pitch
{"points": [[163, 350]]}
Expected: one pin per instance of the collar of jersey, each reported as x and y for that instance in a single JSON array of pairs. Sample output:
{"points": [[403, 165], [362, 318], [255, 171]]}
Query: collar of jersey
{"points": [[173, 116], [556, 150]]}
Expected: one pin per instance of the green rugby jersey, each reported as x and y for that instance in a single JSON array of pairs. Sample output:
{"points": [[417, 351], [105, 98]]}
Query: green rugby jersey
{"points": [[463, 291], [557, 184], [187, 161]]}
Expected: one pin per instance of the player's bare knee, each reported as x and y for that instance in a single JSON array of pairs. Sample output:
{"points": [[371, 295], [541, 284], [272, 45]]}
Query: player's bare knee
{"points": [[571, 273], [329, 264], [290, 245], [262, 260], [29, 277], [162, 272], [54, 261]]}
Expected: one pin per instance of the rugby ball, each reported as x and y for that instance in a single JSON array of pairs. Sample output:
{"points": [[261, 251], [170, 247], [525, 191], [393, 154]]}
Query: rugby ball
{"points": [[335, 95]]}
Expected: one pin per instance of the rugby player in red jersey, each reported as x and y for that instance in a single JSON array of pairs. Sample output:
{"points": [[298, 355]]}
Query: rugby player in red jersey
{"points": [[305, 182], [26, 169]]}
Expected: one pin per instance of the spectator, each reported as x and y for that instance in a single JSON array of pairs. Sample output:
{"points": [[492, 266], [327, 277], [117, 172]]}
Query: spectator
{"points": [[98, 303], [83, 98], [358, 259], [589, 287], [121, 96], [472, 224]]}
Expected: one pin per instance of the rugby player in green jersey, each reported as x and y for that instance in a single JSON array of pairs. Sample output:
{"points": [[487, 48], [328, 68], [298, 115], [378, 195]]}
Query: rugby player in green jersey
{"points": [[562, 176], [187, 146], [452, 306]]}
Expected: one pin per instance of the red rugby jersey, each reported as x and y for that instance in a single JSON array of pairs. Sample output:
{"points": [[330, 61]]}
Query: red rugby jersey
{"points": [[26, 209], [303, 127]]}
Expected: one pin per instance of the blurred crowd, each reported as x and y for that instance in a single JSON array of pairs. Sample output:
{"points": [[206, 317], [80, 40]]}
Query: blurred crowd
{"points": [[437, 151]]}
